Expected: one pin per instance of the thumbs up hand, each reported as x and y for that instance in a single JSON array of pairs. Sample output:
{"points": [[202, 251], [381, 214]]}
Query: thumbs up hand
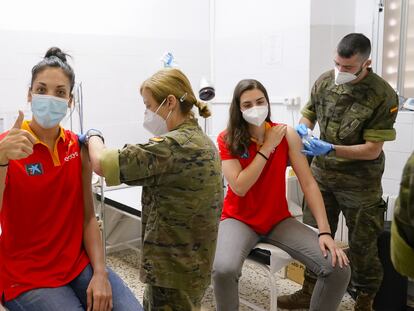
{"points": [[17, 144], [19, 121]]}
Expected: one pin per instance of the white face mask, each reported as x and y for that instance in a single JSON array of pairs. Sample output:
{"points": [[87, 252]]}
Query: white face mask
{"points": [[256, 115], [154, 123], [345, 77]]}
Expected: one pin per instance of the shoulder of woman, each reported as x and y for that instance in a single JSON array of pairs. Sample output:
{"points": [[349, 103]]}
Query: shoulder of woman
{"points": [[170, 144], [272, 124], [184, 135], [158, 142], [71, 137], [179, 136], [222, 135], [69, 133], [221, 139], [291, 135]]}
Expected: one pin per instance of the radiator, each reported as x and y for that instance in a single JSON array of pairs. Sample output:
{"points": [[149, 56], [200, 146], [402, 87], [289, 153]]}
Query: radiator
{"points": [[390, 199]]}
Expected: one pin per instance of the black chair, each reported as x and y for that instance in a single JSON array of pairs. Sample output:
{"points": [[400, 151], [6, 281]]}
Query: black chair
{"points": [[392, 295]]}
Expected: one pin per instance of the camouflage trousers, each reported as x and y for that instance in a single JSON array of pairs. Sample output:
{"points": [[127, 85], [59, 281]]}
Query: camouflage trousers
{"points": [[171, 299], [364, 214]]}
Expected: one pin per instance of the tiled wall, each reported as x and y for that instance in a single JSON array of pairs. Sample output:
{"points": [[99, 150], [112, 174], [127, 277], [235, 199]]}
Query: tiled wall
{"points": [[113, 53], [398, 151]]}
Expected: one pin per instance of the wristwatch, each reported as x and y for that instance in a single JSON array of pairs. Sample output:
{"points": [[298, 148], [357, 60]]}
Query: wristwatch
{"points": [[93, 132]]}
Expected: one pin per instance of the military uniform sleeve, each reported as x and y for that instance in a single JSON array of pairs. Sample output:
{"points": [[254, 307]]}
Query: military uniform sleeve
{"points": [[309, 111], [137, 164], [110, 167], [402, 232], [381, 125]]}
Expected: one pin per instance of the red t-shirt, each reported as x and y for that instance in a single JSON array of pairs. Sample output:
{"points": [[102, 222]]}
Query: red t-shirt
{"points": [[264, 204], [41, 244]]}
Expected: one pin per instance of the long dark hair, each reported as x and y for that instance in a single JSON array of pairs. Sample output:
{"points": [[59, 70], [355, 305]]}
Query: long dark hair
{"points": [[54, 57], [238, 136]]}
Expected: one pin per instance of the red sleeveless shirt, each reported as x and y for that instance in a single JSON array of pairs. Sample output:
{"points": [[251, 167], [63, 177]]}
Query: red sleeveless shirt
{"points": [[264, 204]]}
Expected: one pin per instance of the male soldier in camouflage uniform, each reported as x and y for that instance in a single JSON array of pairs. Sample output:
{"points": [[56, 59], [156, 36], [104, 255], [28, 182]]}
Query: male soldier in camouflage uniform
{"points": [[182, 194], [356, 110], [402, 230]]}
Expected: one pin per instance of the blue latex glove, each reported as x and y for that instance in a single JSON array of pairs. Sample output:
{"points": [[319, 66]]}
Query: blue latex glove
{"points": [[82, 138], [301, 129], [317, 147]]}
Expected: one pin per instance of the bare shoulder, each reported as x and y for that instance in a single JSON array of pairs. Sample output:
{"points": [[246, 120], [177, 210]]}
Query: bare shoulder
{"points": [[292, 136], [86, 163], [84, 152]]}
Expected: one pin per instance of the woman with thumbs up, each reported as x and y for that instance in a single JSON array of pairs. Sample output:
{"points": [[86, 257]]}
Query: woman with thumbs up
{"points": [[16, 145], [51, 255]]}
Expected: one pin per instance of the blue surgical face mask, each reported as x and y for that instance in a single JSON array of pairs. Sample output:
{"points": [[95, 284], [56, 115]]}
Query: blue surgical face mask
{"points": [[48, 110]]}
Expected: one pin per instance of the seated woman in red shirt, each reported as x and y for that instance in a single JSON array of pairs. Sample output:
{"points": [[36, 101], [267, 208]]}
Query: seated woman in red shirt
{"points": [[51, 255], [255, 153]]}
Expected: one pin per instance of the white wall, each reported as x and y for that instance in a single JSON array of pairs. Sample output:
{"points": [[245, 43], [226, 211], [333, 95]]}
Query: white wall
{"points": [[150, 19], [285, 45], [368, 21], [330, 21], [265, 40], [115, 47], [364, 16], [397, 152]]}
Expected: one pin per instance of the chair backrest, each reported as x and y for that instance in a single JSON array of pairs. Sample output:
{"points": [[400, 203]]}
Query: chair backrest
{"points": [[294, 194]]}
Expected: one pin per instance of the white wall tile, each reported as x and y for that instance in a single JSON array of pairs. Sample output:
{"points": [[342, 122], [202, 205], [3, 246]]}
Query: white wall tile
{"points": [[271, 45], [364, 16], [111, 69], [149, 19], [394, 164], [220, 112], [390, 186], [331, 12], [403, 141], [330, 21]]}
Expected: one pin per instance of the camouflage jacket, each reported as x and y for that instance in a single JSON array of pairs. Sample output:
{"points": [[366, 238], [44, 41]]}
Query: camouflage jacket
{"points": [[182, 198], [402, 231], [351, 114]]}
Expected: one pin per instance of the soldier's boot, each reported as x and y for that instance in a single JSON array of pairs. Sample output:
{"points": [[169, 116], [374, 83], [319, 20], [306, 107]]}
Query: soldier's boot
{"points": [[364, 302], [300, 299]]}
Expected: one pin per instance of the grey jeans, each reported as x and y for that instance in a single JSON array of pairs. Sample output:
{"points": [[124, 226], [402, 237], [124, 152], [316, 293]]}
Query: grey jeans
{"points": [[236, 240]]}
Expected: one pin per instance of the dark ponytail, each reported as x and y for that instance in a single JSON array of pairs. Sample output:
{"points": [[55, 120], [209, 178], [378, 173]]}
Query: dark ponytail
{"points": [[54, 57]]}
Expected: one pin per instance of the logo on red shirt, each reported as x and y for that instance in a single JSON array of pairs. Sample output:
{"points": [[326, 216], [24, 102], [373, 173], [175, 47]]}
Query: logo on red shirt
{"points": [[71, 156], [34, 169]]}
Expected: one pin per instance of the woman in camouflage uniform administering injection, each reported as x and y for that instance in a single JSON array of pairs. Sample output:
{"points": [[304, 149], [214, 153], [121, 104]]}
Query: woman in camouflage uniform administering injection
{"points": [[182, 195]]}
